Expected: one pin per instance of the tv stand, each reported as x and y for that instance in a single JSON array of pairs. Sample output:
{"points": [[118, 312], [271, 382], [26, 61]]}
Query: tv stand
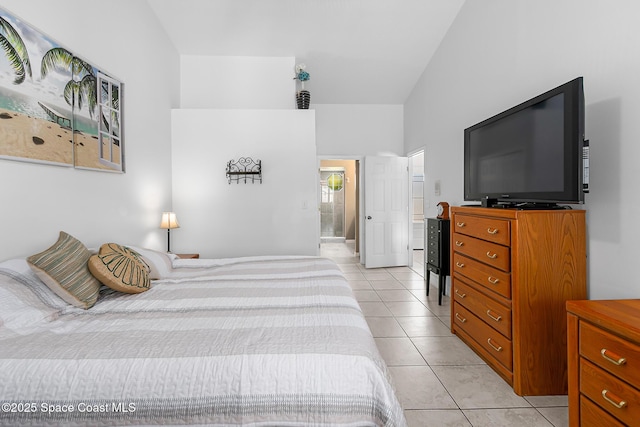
{"points": [[512, 272]]}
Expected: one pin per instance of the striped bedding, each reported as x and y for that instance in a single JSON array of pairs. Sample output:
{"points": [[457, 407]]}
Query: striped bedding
{"points": [[260, 341]]}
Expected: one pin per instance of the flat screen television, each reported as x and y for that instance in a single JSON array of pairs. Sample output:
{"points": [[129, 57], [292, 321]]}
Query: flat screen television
{"points": [[531, 155]]}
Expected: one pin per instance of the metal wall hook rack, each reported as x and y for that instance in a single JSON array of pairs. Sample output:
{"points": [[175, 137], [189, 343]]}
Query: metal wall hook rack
{"points": [[244, 169]]}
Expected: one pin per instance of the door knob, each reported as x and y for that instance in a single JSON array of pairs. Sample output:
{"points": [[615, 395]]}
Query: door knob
{"points": [[369, 217]]}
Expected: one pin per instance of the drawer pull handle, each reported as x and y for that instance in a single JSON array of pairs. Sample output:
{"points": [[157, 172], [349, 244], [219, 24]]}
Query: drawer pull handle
{"points": [[492, 256], [459, 264], [460, 295], [460, 224], [492, 230], [493, 280], [498, 348], [497, 319], [621, 404], [615, 360], [459, 243], [460, 318]]}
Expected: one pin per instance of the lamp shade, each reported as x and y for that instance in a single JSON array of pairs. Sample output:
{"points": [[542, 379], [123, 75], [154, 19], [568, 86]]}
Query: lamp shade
{"points": [[169, 221]]}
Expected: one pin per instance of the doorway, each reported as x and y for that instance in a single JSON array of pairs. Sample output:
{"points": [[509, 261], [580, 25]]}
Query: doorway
{"points": [[340, 205], [417, 201], [332, 205]]}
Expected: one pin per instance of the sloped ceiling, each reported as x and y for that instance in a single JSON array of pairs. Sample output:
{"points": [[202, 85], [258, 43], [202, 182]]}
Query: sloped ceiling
{"points": [[356, 51]]}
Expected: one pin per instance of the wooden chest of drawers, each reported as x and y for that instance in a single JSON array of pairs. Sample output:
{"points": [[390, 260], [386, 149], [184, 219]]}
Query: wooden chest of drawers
{"points": [[512, 273], [604, 362]]}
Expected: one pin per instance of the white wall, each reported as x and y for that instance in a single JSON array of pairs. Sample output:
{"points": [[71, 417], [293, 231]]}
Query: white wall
{"points": [[499, 53], [349, 130], [237, 82], [241, 82], [255, 96], [235, 107], [217, 219], [38, 201]]}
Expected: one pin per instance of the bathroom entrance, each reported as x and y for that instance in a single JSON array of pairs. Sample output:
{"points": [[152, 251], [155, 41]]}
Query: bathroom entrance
{"points": [[339, 208], [332, 205]]}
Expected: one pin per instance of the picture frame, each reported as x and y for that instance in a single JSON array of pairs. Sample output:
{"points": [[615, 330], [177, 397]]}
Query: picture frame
{"points": [[55, 107]]}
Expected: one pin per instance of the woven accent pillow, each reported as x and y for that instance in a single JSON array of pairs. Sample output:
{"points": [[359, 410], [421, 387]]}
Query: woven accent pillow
{"points": [[120, 268], [63, 268]]}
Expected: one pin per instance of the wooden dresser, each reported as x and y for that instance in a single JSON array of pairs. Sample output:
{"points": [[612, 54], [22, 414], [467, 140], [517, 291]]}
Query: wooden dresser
{"points": [[604, 363], [512, 273]]}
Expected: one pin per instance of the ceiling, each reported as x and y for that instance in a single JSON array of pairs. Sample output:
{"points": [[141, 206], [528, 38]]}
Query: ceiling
{"points": [[356, 51]]}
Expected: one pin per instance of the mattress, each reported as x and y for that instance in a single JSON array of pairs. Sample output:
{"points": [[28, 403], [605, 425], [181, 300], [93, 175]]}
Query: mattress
{"points": [[262, 341]]}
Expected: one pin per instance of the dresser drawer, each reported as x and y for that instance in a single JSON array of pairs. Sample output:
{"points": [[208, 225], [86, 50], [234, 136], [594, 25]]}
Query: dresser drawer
{"points": [[433, 258], [498, 346], [434, 268], [488, 253], [613, 395], [495, 315], [433, 248], [434, 228], [610, 352], [490, 229], [489, 277], [433, 242], [433, 225], [433, 232], [591, 415]]}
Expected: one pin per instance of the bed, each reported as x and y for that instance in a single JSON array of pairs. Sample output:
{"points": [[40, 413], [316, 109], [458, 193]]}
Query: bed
{"points": [[258, 341]]}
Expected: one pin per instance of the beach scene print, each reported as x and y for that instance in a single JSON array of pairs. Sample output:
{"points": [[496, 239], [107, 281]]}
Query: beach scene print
{"points": [[51, 110]]}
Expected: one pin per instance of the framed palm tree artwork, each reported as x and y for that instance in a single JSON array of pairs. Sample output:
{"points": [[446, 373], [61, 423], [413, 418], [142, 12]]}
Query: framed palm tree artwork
{"points": [[55, 107]]}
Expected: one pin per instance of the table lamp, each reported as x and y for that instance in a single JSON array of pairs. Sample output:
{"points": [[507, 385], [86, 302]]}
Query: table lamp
{"points": [[169, 221]]}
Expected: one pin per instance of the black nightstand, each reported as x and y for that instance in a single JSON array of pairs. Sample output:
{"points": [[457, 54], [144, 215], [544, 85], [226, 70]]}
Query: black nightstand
{"points": [[437, 252]]}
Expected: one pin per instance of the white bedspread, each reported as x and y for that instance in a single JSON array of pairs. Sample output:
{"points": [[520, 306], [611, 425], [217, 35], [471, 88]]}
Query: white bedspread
{"points": [[253, 341]]}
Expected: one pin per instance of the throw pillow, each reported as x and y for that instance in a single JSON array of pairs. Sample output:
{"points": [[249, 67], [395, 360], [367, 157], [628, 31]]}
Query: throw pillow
{"points": [[160, 263], [120, 268], [63, 268]]}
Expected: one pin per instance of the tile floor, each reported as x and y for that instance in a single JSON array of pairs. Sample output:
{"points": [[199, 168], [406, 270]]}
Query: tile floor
{"points": [[439, 380]]}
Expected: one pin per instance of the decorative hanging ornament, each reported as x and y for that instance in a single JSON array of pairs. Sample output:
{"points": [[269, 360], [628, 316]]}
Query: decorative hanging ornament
{"points": [[335, 182]]}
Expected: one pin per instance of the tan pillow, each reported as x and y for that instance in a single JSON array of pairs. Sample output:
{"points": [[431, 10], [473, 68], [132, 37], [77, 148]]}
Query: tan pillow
{"points": [[63, 268], [120, 268]]}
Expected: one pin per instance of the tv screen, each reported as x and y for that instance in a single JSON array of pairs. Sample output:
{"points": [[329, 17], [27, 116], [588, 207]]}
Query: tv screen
{"points": [[531, 153]]}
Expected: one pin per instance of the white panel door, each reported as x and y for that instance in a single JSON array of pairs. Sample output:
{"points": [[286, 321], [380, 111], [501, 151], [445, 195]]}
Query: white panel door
{"points": [[386, 212]]}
